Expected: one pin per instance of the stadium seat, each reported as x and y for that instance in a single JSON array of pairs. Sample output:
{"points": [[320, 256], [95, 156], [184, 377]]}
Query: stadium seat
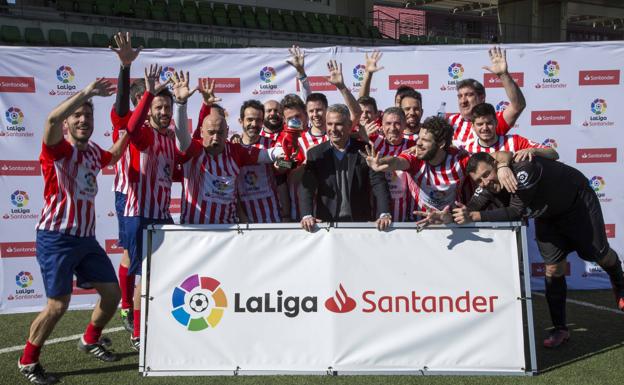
{"points": [[249, 17], [205, 44], [189, 12], [237, 45], [154, 42], [172, 43], [80, 39], [302, 22], [34, 36], [234, 15], [100, 40], [221, 44], [263, 18], [10, 34], [205, 13], [352, 30], [141, 9], [328, 26], [220, 15], [189, 44], [316, 25], [85, 6], [174, 10], [138, 41], [124, 8], [289, 21], [375, 32], [65, 5], [104, 7], [340, 28], [57, 38], [159, 10], [364, 32], [277, 23], [404, 39]]}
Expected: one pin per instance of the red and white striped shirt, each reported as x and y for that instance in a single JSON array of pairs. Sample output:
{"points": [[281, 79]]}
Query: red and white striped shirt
{"points": [[272, 136], [209, 194], [305, 142], [257, 189], [463, 128], [511, 143], [70, 177], [120, 184], [400, 201], [436, 186], [410, 137]]}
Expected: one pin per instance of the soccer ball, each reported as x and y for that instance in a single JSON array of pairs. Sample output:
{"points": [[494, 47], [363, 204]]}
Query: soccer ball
{"points": [[199, 302]]}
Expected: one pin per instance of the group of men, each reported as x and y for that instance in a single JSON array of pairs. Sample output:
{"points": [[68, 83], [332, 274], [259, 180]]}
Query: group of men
{"points": [[352, 162]]}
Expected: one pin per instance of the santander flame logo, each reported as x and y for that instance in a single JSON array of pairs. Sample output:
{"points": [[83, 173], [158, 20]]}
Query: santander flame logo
{"points": [[341, 302]]}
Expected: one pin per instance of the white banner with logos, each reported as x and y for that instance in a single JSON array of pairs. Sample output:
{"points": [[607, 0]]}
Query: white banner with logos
{"points": [[572, 92], [351, 299]]}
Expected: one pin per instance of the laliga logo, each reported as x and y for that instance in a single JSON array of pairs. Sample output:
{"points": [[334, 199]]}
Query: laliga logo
{"points": [[219, 185], [19, 198], [166, 73], [597, 183], [341, 302], [456, 71], [90, 179], [23, 279], [198, 303], [550, 143], [251, 178], [65, 74], [267, 74], [14, 116], [501, 106], [551, 68], [358, 72], [599, 106]]}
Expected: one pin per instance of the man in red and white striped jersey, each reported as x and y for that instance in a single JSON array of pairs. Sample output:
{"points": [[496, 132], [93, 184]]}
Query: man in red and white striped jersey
{"points": [[273, 120], [66, 244], [437, 171], [393, 143], [153, 152], [411, 104], [483, 118], [256, 185], [470, 93]]}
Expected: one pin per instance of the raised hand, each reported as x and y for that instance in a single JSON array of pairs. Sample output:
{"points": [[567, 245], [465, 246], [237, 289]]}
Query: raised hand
{"points": [[372, 61], [206, 89], [181, 89], [124, 48], [152, 73], [100, 87], [372, 159], [297, 59], [371, 128], [335, 73], [498, 57], [434, 216]]}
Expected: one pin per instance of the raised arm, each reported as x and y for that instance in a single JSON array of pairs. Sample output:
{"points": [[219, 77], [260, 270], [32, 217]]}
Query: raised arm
{"points": [[498, 58], [182, 93], [206, 89], [388, 163], [118, 148], [297, 61], [126, 56], [335, 77], [369, 69], [53, 127]]}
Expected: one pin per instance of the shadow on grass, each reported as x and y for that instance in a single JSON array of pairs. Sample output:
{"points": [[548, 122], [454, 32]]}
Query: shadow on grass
{"points": [[592, 332], [105, 369]]}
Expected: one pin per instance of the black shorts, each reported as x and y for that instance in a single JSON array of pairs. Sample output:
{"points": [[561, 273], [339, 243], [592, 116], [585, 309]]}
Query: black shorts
{"points": [[582, 230]]}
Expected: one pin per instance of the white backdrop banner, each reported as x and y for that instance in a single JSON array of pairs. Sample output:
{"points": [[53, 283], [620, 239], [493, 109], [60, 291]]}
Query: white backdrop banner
{"points": [[572, 92], [348, 300]]}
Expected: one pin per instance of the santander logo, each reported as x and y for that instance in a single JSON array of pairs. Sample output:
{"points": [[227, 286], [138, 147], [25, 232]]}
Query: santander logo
{"points": [[341, 302]]}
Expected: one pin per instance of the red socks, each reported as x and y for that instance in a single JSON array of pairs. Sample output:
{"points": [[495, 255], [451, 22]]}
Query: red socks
{"points": [[137, 324], [92, 334], [126, 284], [31, 354]]}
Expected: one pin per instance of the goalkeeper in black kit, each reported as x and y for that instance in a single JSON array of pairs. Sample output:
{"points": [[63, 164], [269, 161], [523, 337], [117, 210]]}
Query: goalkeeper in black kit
{"points": [[567, 218]]}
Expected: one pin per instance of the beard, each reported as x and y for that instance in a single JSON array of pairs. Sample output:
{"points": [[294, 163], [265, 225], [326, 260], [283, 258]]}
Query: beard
{"points": [[427, 156], [157, 122], [277, 126]]}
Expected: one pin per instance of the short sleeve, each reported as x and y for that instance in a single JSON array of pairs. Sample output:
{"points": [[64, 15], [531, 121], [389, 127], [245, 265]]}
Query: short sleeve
{"points": [[521, 143], [58, 151], [414, 162], [245, 156], [119, 122], [502, 127]]}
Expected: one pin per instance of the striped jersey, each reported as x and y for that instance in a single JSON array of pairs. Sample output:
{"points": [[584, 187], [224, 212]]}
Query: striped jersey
{"points": [[70, 177], [410, 137], [400, 201], [209, 194], [436, 186], [120, 183], [257, 189], [511, 143], [272, 136], [463, 128]]}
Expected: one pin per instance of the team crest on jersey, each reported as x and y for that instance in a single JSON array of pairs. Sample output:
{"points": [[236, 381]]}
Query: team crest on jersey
{"points": [[251, 178], [523, 178]]}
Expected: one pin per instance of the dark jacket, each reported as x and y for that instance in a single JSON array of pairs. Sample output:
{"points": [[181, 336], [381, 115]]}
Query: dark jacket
{"points": [[320, 185]]}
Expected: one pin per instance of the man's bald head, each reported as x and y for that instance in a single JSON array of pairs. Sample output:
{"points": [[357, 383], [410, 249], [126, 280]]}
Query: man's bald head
{"points": [[273, 116], [214, 133]]}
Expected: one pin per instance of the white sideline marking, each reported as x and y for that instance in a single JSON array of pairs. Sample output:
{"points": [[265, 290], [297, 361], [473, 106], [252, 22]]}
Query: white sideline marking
{"points": [[58, 340], [587, 304]]}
